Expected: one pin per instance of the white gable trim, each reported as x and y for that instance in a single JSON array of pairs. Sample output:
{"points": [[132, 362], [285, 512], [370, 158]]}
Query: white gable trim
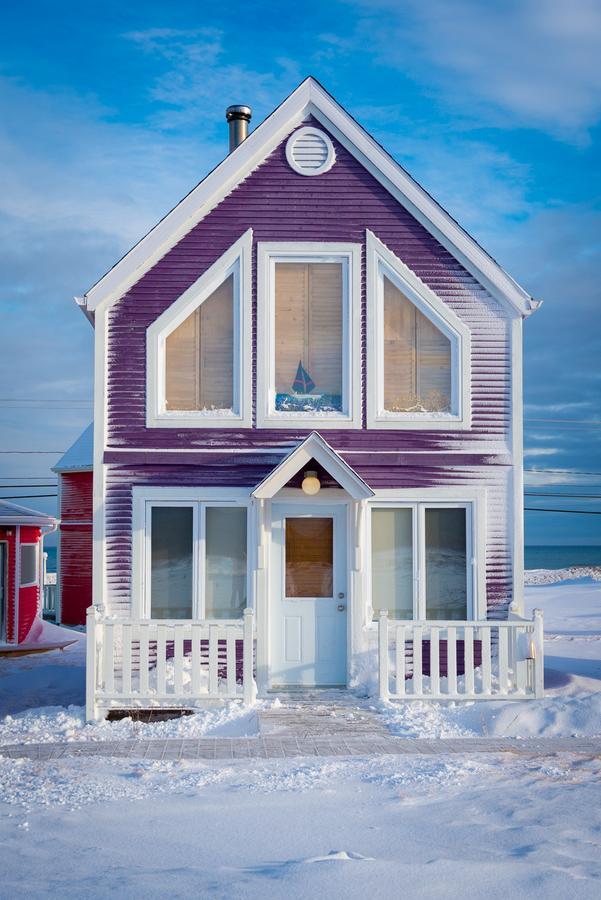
{"points": [[313, 447], [382, 261], [238, 262], [310, 98]]}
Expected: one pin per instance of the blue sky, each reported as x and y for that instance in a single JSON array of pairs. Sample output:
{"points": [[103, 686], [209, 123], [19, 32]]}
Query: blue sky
{"points": [[111, 112]]}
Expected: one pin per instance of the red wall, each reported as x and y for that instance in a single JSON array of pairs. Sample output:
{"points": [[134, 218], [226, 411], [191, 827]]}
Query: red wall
{"points": [[29, 597], [75, 534]]}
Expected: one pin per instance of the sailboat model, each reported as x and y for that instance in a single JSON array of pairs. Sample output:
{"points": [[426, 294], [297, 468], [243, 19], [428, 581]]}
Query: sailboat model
{"points": [[303, 385]]}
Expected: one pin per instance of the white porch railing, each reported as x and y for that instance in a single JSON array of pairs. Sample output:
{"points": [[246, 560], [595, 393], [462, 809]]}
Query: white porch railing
{"points": [[484, 660], [147, 664], [49, 596]]}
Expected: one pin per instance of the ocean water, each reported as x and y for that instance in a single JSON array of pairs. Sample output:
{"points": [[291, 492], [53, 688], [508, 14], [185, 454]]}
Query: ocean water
{"points": [[561, 557], [51, 561], [535, 557]]}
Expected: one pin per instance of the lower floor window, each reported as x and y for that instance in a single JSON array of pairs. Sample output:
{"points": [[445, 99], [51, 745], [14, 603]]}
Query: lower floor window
{"points": [[198, 561], [421, 561]]}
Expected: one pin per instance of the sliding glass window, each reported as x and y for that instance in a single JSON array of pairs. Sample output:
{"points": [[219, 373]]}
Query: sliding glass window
{"points": [[421, 561]]}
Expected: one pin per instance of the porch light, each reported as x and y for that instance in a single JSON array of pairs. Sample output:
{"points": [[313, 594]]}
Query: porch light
{"points": [[311, 483]]}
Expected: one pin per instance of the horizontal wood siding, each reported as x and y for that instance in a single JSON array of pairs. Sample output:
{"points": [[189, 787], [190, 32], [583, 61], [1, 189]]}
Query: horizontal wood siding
{"points": [[75, 534], [279, 204], [9, 536], [29, 597], [119, 512]]}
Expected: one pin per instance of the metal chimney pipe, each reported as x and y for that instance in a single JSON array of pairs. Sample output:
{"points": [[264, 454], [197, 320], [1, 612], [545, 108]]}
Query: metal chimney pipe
{"points": [[238, 118]]}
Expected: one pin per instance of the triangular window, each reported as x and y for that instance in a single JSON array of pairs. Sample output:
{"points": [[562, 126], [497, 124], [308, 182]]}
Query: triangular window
{"points": [[417, 358], [418, 369], [199, 349], [199, 356]]}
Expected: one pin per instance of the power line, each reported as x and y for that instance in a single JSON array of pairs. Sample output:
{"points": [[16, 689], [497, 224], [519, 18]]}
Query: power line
{"points": [[581, 512], [30, 485], [49, 452], [560, 472], [566, 421], [27, 496], [534, 494]]}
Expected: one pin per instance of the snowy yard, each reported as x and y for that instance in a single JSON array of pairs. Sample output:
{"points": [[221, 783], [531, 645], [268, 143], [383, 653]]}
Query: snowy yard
{"points": [[449, 826]]}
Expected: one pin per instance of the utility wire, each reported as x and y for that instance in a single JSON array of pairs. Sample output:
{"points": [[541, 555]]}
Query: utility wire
{"points": [[27, 496], [30, 485], [581, 512]]}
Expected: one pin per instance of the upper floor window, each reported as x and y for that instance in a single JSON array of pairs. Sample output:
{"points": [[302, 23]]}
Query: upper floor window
{"points": [[418, 350], [308, 335], [199, 355], [199, 349]]}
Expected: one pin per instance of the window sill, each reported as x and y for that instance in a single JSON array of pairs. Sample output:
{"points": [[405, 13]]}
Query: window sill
{"points": [[419, 422], [309, 420], [219, 419]]}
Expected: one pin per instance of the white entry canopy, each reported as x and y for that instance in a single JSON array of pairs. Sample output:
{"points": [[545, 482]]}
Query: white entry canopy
{"points": [[313, 447]]}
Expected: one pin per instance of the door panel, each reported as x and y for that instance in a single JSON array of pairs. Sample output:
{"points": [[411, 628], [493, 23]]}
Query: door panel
{"points": [[308, 631]]}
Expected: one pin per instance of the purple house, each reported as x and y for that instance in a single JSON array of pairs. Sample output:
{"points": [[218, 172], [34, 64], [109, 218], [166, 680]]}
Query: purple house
{"points": [[308, 437]]}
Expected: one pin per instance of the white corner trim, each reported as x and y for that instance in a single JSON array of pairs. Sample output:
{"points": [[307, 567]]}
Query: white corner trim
{"points": [[268, 253], [306, 133], [310, 98], [313, 447], [382, 261], [516, 484], [236, 261]]}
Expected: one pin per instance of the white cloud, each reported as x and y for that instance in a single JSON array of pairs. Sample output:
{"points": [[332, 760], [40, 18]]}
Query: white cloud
{"points": [[199, 82], [536, 62], [541, 451]]}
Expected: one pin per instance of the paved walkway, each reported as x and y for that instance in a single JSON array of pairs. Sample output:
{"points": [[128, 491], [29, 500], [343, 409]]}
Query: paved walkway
{"points": [[304, 729], [288, 747]]}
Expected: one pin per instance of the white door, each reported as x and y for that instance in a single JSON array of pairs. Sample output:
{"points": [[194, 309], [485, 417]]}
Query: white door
{"points": [[308, 596]]}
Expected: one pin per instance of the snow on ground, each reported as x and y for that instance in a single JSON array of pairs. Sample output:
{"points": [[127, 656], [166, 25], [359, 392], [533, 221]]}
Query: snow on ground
{"points": [[422, 827], [572, 704]]}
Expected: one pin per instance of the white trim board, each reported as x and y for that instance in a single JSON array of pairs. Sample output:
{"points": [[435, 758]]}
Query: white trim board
{"points": [[310, 98], [313, 447]]}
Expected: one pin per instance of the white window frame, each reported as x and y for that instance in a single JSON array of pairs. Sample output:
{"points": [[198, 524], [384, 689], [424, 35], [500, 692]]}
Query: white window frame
{"points": [[144, 500], [268, 254], [237, 261], [36, 567], [382, 262], [418, 502]]}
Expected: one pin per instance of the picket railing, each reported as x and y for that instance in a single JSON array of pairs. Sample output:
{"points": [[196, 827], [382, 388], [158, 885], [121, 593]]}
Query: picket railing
{"points": [[485, 660], [49, 596], [175, 664]]}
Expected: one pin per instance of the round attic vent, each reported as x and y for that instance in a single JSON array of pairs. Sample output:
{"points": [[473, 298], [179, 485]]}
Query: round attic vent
{"points": [[310, 152]]}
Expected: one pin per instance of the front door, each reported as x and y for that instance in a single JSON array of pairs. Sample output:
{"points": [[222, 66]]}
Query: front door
{"points": [[308, 596]]}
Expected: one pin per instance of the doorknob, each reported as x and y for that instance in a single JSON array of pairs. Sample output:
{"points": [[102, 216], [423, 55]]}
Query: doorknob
{"points": [[341, 607]]}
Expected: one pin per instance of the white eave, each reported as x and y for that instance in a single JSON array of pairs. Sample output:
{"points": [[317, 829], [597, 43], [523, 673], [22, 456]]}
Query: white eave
{"points": [[313, 447], [310, 98]]}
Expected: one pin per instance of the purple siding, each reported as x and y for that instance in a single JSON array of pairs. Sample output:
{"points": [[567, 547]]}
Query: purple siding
{"points": [[279, 204]]}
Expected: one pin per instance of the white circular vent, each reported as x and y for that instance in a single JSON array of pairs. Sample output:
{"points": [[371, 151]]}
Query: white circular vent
{"points": [[310, 152]]}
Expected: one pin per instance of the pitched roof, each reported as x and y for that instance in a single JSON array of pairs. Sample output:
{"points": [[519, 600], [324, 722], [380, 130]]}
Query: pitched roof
{"points": [[13, 514], [313, 447], [80, 455], [309, 98]]}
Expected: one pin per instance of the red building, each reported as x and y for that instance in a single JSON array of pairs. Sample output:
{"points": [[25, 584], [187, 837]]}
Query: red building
{"points": [[74, 580], [22, 533]]}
